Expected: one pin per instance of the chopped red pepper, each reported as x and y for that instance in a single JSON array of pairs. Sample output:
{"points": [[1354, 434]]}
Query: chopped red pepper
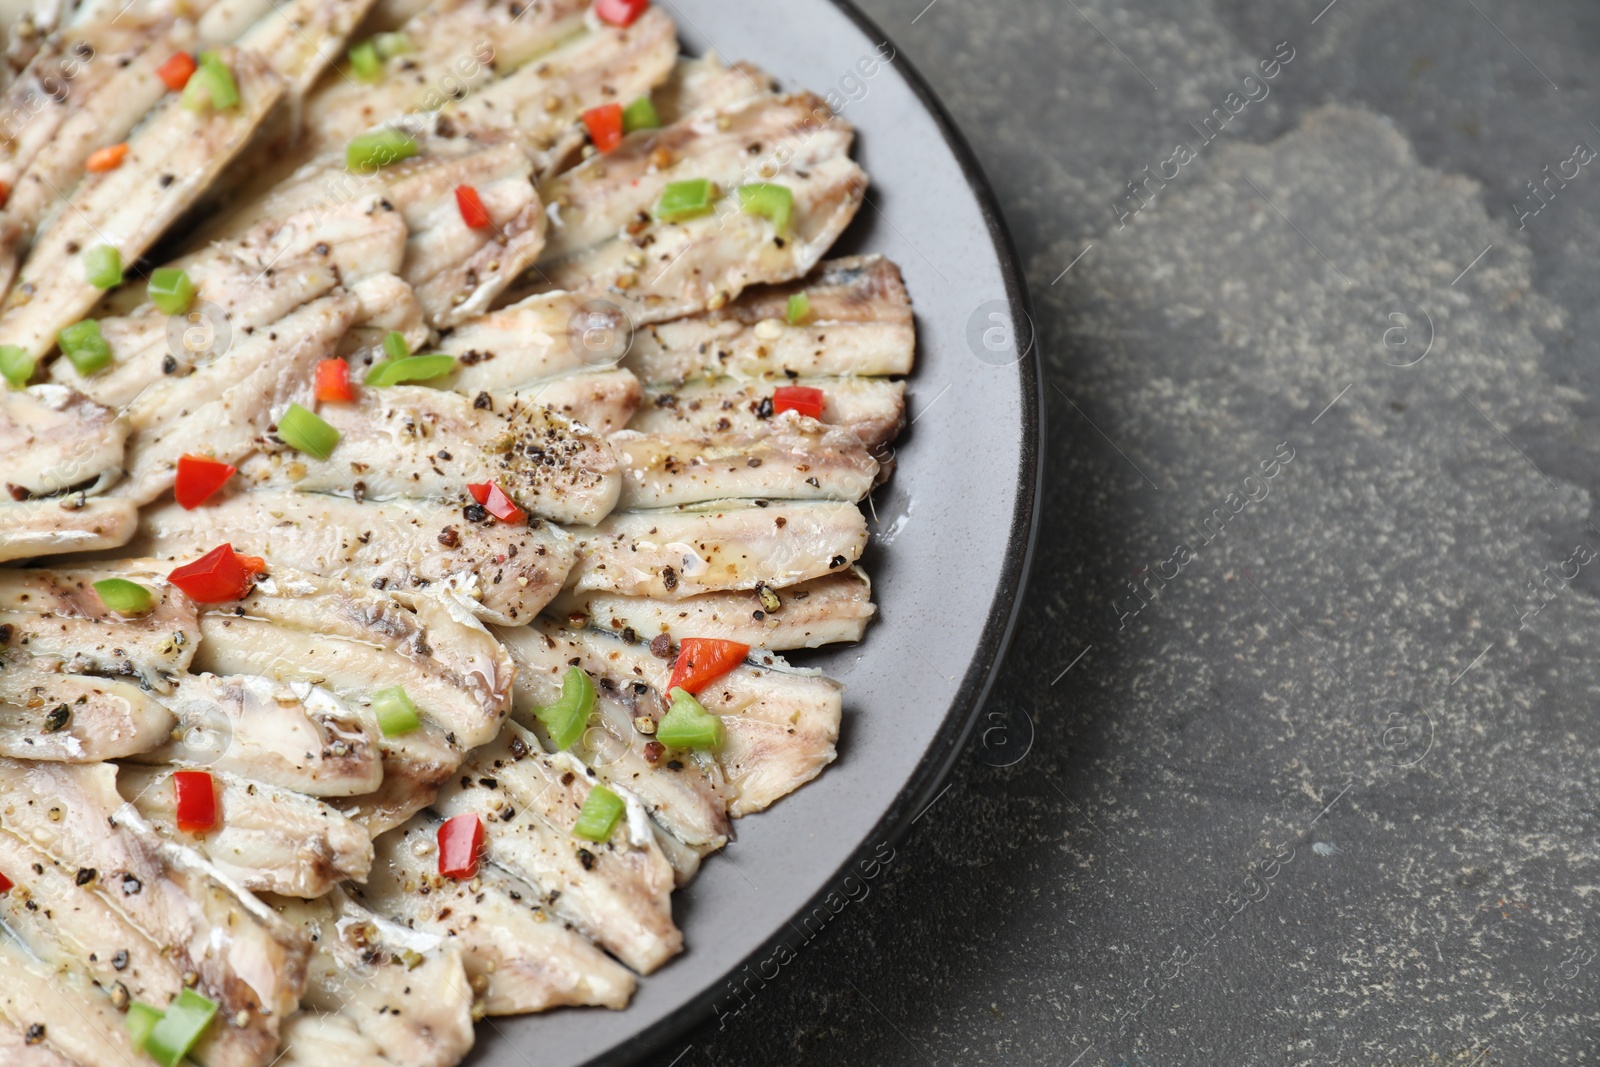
{"points": [[197, 801], [702, 660], [801, 398], [199, 477], [5, 194], [495, 499], [219, 575], [460, 840], [175, 71], [108, 158], [333, 382], [5, 884], [620, 12], [605, 126], [473, 213]]}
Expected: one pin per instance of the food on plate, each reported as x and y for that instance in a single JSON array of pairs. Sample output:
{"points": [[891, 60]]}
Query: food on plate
{"points": [[434, 432]]}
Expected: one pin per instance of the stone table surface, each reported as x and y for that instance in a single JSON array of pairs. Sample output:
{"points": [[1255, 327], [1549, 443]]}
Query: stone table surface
{"points": [[1318, 546]]}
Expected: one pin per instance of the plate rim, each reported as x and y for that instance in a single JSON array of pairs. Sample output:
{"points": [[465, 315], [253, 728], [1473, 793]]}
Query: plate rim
{"points": [[1004, 610]]}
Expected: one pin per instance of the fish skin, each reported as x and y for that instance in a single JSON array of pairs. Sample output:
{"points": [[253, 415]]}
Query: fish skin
{"points": [[245, 958], [267, 839], [418, 1012], [860, 324], [55, 439], [457, 272], [252, 281], [128, 207], [615, 192], [680, 552], [828, 610], [452, 668], [529, 960], [780, 724], [338, 538], [793, 459], [56, 616], [620, 897], [706, 82], [109, 718], [606, 64], [225, 408], [688, 802], [290, 735], [56, 525], [874, 409], [109, 92], [705, 263], [414, 442], [298, 38]]}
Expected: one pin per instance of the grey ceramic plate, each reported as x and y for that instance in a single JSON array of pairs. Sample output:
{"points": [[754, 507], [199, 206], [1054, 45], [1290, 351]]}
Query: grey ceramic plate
{"points": [[951, 541]]}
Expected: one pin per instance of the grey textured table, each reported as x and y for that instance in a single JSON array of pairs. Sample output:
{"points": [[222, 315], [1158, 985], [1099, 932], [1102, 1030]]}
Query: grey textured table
{"points": [[1294, 758]]}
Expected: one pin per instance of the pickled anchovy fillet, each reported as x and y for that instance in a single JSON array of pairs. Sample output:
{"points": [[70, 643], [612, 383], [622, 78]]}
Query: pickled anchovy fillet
{"points": [[266, 839], [130, 207], [527, 959], [416, 442], [680, 552], [820, 612], [504, 572]]}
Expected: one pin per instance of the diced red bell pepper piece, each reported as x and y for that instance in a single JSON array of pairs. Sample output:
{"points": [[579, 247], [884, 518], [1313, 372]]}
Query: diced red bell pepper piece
{"points": [[605, 126], [5, 194], [501, 506], [460, 841], [196, 796], [219, 575], [702, 660], [620, 12], [5, 884], [199, 477], [175, 72], [333, 382], [108, 158], [801, 398], [473, 213]]}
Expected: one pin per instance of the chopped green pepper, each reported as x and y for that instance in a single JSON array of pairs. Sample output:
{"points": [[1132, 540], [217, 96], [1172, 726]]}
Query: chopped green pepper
{"points": [[687, 724], [774, 202], [799, 308], [170, 290], [640, 115], [180, 1028], [379, 149], [567, 717], [16, 365], [410, 369], [305, 432], [685, 200], [365, 63], [124, 597], [211, 85], [102, 267], [394, 345], [598, 817], [396, 713], [82, 344]]}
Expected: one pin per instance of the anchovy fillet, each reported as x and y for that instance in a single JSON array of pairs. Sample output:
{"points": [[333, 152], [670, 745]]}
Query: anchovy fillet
{"points": [[681, 552], [504, 572], [524, 958], [823, 611]]}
